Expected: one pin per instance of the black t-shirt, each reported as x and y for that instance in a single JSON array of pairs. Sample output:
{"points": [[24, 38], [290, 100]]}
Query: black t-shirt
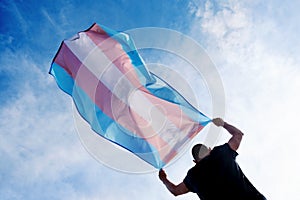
{"points": [[218, 176]]}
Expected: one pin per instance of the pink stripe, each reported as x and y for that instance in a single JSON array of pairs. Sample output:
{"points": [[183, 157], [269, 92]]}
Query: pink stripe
{"points": [[114, 52], [85, 79]]}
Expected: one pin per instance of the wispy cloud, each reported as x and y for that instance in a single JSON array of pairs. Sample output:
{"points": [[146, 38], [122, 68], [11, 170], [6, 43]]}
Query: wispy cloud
{"points": [[56, 26], [13, 7]]}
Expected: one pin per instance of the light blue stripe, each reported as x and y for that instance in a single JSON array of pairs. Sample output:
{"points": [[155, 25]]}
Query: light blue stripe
{"points": [[108, 128], [164, 91]]}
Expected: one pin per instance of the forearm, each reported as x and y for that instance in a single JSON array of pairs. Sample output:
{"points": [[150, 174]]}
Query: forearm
{"points": [[174, 189], [170, 186], [237, 135], [232, 130]]}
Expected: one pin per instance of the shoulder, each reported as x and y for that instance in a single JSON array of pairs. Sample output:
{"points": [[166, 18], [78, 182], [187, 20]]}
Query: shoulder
{"points": [[191, 172], [199, 170], [196, 177], [224, 150]]}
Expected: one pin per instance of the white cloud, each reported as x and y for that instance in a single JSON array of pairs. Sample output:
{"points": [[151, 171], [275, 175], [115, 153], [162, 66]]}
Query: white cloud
{"points": [[34, 148], [261, 81]]}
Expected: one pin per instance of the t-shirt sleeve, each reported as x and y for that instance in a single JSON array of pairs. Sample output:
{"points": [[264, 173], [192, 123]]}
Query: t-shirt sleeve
{"points": [[188, 181], [224, 151]]}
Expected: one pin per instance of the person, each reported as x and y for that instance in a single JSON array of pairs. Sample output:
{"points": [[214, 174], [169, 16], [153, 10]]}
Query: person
{"points": [[216, 174]]}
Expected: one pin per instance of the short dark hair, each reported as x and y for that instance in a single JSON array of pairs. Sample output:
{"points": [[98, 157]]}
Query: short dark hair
{"points": [[198, 150]]}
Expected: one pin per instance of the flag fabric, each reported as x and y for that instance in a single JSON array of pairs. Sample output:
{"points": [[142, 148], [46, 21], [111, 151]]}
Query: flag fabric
{"points": [[121, 100]]}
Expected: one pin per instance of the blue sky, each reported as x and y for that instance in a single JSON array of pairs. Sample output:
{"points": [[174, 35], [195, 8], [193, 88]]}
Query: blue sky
{"points": [[253, 44]]}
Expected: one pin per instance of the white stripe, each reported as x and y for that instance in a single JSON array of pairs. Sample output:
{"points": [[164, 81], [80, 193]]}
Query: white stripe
{"points": [[97, 62]]}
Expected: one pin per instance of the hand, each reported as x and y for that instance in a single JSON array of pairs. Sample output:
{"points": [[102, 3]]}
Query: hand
{"points": [[162, 175], [218, 121]]}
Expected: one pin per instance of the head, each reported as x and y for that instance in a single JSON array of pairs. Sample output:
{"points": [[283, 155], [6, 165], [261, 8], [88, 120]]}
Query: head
{"points": [[200, 151]]}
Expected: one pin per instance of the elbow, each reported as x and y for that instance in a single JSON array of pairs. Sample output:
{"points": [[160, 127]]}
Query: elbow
{"points": [[175, 193], [239, 135], [178, 190], [235, 141]]}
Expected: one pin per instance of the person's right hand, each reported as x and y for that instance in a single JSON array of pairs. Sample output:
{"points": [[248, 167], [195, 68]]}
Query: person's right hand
{"points": [[218, 121], [162, 175]]}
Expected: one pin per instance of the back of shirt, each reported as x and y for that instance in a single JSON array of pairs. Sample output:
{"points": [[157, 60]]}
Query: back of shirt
{"points": [[218, 176]]}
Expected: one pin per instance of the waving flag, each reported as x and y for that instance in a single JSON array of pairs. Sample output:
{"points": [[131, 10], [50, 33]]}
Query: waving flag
{"points": [[121, 100]]}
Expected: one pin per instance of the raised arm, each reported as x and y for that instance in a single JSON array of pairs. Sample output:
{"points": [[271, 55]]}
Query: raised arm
{"points": [[237, 135], [174, 189]]}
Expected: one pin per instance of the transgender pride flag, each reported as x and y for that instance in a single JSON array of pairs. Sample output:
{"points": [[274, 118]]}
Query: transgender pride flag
{"points": [[121, 100]]}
